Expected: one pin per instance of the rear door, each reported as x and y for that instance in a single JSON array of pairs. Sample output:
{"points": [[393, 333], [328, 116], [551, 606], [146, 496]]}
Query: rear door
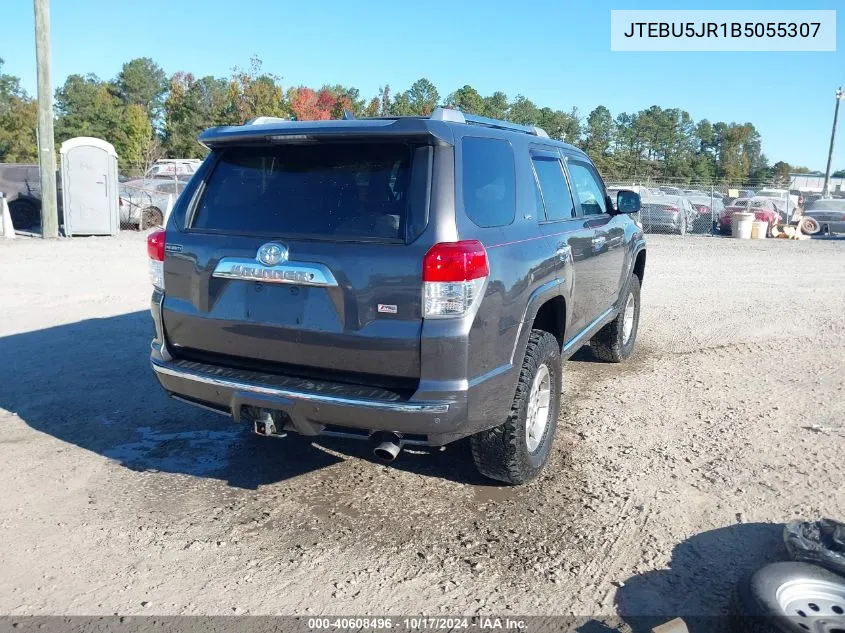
{"points": [[301, 258], [569, 236], [607, 240]]}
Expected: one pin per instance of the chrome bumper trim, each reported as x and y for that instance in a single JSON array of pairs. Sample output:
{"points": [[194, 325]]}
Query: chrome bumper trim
{"points": [[396, 407]]}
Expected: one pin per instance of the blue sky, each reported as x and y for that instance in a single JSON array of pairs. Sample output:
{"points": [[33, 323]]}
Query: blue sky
{"points": [[555, 52]]}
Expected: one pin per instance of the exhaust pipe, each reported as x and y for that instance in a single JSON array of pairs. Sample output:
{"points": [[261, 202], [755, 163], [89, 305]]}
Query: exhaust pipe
{"points": [[389, 447]]}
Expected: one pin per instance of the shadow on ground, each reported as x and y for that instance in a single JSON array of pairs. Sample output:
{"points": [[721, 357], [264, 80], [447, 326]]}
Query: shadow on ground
{"points": [[89, 384], [702, 574]]}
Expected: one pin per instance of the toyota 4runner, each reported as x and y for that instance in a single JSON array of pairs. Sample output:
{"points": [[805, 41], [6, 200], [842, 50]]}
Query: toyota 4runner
{"points": [[405, 280]]}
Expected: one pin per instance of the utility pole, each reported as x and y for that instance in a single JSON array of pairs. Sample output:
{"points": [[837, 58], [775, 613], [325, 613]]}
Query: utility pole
{"points": [[46, 145], [826, 190]]}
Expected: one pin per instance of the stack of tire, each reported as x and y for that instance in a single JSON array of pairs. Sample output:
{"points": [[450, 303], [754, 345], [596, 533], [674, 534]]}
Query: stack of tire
{"points": [[804, 594]]}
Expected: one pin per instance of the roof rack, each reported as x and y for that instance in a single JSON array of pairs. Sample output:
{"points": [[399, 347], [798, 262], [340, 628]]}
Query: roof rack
{"points": [[266, 119], [456, 116]]}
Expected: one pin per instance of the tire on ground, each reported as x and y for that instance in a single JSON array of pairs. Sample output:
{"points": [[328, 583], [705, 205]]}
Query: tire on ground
{"points": [[502, 453], [608, 344], [810, 226], [755, 607]]}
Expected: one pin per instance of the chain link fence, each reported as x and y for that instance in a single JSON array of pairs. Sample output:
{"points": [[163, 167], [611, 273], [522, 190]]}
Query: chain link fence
{"points": [[143, 203], [669, 206], [694, 208]]}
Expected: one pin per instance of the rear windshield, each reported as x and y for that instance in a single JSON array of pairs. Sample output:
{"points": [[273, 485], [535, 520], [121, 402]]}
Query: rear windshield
{"points": [[365, 190]]}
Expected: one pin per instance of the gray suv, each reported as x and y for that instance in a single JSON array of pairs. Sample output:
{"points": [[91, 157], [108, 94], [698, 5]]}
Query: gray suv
{"points": [[405, 281]]}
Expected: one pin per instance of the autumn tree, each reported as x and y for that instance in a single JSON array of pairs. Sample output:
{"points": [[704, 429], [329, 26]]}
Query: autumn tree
{"points": [[253, 93], [308, 105]]}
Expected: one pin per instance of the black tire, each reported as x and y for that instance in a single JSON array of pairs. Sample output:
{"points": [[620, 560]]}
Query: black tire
{"points": [[502, 452], [810, 226], [150, 217], [755, 607], [609, 343]]}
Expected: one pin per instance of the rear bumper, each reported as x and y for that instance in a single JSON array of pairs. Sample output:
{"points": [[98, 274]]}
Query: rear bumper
{"points": [[310, 406]]}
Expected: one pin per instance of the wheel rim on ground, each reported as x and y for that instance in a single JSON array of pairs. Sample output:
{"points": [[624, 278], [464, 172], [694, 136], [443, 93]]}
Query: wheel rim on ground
{"points": [[820, 602], [628, 318], [539, 403]]}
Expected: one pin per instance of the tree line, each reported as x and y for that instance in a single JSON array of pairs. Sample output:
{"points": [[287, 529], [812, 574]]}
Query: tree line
{"points": [[147, 115]]}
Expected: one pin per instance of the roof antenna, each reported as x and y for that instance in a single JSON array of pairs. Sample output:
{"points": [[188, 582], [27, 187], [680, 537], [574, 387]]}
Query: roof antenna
{"points": [[348, 115]]}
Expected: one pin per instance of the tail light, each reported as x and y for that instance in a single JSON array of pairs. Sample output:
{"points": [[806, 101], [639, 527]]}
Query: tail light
{"points": [[453, 278], [702, 208], [155, 251], [673, 210]]}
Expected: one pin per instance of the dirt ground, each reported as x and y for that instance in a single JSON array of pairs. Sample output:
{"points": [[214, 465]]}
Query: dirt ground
{"points": [[670, 477]]}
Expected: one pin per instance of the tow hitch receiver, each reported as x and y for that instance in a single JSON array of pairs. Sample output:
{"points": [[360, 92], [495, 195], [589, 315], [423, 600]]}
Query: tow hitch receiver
{"points": [[264, 425]]}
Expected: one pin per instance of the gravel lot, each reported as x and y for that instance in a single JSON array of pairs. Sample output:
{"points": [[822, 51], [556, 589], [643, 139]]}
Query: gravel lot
{"points": [[670, 477]]}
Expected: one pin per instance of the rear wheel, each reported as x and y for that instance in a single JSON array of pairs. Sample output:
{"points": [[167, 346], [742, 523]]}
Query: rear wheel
{"points": [[615, 341], [516, 451]]}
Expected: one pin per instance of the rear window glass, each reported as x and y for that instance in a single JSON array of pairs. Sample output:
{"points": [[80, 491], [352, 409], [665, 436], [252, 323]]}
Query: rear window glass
{"points": [[555, 191], [327, 190], [489, 181]]}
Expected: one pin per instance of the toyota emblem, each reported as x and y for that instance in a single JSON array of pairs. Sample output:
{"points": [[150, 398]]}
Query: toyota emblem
{"points": [[272, 253]]}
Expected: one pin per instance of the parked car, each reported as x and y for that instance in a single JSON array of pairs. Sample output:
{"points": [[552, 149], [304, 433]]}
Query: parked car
{"points": [[829, 213], [389, 282], [785, 202], [707, 210], [639, 189], [672, 191], [143, 203], [173, 168], [667, 214], [21, 186], [762, 208]]}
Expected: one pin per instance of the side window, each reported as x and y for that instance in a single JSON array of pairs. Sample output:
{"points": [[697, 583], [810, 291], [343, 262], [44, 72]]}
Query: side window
{"points": [[587, 188], [556, 196], [489, 181]]}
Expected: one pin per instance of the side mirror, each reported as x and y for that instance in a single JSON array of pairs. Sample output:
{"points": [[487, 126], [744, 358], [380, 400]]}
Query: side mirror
{"points": [[628, 201]]}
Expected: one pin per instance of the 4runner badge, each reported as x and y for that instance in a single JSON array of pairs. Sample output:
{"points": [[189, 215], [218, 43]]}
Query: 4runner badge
{"points": [[387, 309]]}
